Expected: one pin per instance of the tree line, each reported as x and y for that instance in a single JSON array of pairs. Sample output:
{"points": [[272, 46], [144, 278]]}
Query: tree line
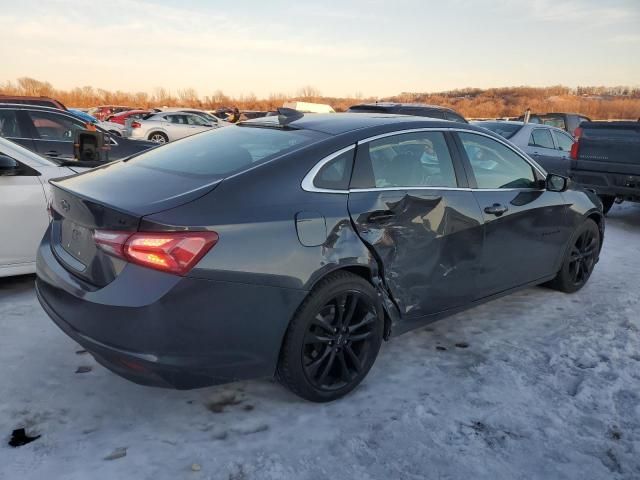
{"points": [[619, 102]]}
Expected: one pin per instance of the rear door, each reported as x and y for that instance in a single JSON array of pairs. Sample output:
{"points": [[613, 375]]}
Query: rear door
{"points": [[409, 204], [543, 150], [23, 216], [525, 225], [54, 133]]}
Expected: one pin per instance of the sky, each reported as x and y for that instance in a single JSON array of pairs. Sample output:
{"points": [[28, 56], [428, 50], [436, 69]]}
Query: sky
{"points": [[342, 48]]}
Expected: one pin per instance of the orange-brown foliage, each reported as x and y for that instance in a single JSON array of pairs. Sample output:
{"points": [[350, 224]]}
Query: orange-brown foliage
{"points": [[595, 102]]}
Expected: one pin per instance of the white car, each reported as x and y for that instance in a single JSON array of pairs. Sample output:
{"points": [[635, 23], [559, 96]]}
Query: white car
{"points": [[166, 127], [24, 196]]}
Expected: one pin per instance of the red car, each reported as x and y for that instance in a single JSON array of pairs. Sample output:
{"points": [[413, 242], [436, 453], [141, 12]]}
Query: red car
{"points": [[103, 111], [122, 117]]}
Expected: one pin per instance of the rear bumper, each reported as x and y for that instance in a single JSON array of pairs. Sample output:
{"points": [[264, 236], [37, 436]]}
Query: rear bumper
{"points": [[606, 183], [162, 330]]}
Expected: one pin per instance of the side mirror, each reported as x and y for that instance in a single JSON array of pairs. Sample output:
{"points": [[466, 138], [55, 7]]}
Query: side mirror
{"points": [[557, 183], [8, 166]]}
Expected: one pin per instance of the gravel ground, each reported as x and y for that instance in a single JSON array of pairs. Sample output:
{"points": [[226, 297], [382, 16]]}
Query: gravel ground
{"points": [[536, 385]]}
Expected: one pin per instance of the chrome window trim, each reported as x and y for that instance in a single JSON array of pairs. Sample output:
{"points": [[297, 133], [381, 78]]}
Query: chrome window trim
{"points": [[307, 181]]}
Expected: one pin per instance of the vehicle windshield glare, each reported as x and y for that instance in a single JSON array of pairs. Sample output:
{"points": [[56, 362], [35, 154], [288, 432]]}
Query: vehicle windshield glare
{"points": [[224, 151]]}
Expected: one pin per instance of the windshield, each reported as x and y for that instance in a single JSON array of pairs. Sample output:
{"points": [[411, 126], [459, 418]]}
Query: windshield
{"points": [[506, 130], [223, 151]]}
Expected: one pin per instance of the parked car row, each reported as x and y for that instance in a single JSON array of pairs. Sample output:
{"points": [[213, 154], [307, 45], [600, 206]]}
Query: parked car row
{"points": [[51, 132]]}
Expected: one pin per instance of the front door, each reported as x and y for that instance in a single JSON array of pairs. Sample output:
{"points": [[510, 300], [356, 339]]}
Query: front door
{"points": [[525, 225], [425, 231]]}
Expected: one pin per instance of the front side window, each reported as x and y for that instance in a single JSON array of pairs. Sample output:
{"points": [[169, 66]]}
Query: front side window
{"points": [[9, 126], [50, 126], [565, 142], [420, 159], [494, 165], [541, 137]]}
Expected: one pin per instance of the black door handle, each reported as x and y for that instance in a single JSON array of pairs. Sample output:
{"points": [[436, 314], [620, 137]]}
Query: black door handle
{"points": [[496, 209], [380, 216], [52, 153]]}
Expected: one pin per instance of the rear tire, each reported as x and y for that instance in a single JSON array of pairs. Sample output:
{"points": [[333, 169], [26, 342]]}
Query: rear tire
{"points": [[579, 260], [607, 202], [333, 339], [158, 137]]}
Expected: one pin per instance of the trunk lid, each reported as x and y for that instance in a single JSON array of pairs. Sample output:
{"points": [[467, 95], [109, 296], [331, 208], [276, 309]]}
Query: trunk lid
{"points": [[113, 197]]}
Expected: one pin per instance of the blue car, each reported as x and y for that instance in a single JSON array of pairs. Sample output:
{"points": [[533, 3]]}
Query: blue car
{"points": [[83, 116]]}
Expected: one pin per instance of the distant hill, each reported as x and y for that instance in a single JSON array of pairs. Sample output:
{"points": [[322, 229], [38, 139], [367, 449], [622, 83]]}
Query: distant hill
{"points": [[597, 102]]}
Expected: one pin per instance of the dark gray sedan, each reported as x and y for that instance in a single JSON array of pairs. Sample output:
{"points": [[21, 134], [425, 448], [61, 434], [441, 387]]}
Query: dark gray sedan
{"points": [[294, 245]]}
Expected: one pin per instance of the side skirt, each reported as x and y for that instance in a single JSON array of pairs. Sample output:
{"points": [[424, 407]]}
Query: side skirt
{"points": [[407, 324]]}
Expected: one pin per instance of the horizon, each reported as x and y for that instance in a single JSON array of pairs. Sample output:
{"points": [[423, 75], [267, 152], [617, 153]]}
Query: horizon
{"points": [[342, 50]]}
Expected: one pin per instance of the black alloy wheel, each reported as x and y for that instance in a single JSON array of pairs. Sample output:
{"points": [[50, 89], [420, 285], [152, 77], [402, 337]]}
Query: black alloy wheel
{"points": [[580, 258], [333, 340], [338, 340], [583, 256]]}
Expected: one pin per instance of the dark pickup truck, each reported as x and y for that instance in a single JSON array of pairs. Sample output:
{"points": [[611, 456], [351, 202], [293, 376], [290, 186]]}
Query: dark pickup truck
{"points": [[606, 158]]}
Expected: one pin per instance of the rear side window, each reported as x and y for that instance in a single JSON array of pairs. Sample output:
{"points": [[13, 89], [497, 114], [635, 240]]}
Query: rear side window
{"points": [[225, 150], [407, 160], [9, 126], [335, 174], [541, 137]]}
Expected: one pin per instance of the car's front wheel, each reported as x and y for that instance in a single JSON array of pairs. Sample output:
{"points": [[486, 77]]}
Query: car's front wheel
{"points": [[580, 258], [333, 339]]}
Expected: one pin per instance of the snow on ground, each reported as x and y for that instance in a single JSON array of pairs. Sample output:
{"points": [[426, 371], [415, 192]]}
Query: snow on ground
{"points": [[541, 385]]}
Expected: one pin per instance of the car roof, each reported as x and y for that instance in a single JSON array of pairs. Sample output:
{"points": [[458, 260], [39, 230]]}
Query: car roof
{"points": [[338, 123]]}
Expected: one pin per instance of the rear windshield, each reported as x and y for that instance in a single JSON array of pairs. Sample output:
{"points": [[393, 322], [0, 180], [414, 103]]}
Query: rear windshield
{"points": [[225, 150], [506, 130]]}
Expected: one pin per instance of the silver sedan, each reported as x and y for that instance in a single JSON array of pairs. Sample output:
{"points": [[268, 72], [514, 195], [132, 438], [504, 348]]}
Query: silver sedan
{"points": [[549, 146], [166, 127]]}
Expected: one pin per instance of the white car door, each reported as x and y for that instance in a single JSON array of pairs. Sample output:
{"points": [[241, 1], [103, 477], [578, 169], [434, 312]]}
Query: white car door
{"points": [[23, 216], [24, 189]]}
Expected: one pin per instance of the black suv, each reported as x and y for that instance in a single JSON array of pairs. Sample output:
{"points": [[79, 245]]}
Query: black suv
{"points": [[50, 132], [417, 109]]}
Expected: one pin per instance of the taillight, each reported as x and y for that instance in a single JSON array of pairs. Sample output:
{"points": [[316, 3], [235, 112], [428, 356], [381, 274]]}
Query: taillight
{"points": [[577, 133], [135, 125], [574, 151], [172, 252]]}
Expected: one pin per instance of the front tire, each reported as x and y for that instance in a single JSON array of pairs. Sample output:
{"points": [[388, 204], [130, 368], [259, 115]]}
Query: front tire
{"points": [[580, 258], [333, 339]]}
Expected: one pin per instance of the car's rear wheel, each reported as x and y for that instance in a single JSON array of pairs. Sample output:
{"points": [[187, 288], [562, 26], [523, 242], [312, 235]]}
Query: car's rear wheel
{"points": [[580, 258], [158, 137], [333, 339], [607, 202]]}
